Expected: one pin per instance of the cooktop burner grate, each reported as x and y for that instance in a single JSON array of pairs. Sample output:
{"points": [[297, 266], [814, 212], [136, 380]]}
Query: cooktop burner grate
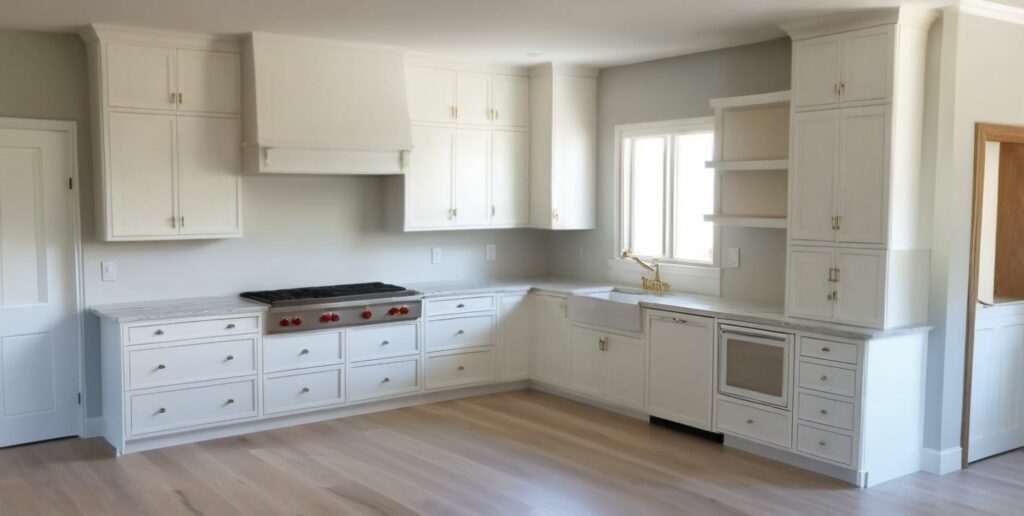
{"points": [[334, 292]]}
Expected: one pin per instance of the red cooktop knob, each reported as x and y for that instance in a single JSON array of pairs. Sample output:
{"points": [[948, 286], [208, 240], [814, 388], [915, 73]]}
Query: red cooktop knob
{"points": [[296, 321], [285, 322], [335, 317], [403, 310], [366, 314], [393, 311], [324, 318]]}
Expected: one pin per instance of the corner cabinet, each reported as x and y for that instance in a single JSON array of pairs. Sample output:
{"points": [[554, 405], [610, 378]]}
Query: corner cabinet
{"points": [[166, 112]]}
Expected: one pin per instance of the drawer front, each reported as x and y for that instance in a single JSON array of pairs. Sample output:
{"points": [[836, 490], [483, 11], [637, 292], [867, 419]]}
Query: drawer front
{"points": [[297, 391], [460, 305], [755, 423], [302, 350], [461, 332], [829, 350], [367, 382], [828, 379], [382, 342], [192, 329], [198, 406], [460, 369], [825, 411], [824, 444], [170, 365]]}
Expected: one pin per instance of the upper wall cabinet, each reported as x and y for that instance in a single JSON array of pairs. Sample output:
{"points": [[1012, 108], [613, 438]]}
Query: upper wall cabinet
{"points": [[853, 68], [167, 154], [444, 95]]}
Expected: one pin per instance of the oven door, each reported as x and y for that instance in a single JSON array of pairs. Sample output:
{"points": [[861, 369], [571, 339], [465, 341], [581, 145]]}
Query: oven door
{"points": [[754, 364]]}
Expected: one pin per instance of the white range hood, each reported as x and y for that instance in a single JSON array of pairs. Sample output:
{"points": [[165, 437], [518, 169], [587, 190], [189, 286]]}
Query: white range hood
{"points": [[316, 106]]}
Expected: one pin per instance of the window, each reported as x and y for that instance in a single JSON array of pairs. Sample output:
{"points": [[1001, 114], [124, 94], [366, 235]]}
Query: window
{"points": [[666, 190]]}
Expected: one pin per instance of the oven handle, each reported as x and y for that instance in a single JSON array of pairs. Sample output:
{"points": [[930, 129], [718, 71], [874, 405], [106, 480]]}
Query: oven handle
{"points": [[731, 330]]}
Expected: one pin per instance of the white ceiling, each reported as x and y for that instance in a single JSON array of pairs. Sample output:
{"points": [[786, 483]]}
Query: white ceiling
{"points": [[594, 32]]}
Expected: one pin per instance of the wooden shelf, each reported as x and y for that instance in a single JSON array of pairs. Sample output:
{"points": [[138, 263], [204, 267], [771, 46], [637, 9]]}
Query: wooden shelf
{"points": [[760, 164], [748, 221]]}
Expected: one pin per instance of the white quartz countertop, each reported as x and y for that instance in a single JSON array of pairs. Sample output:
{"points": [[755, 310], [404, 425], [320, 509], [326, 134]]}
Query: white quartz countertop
{"points": [[177, 308]]}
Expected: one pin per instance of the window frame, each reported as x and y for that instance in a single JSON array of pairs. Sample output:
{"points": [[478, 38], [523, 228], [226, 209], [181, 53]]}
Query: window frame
{"points": [[623, 188]]}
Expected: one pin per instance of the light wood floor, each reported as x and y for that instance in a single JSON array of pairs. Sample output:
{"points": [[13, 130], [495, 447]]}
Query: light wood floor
{"points": [[522, 452]]}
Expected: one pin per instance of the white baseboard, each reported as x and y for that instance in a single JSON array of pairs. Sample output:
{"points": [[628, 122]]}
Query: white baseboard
{"points": [[857, 478], [570, 395], [941, 462]]}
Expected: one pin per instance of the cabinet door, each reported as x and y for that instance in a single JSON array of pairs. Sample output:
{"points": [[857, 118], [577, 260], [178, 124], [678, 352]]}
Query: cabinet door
{"points": [[141, 175], [473, 98], [209, 82], [816, 71], [625, 369], [472, 173], [511, 100], [514, 337], [813, 171], [867, 65], [860, 287], [681, 374], [141, 77], [209, 168], [431, 94], [809, 289], [510, 178], [862, 191], [586, 362], [428, 183], [548, 355]]}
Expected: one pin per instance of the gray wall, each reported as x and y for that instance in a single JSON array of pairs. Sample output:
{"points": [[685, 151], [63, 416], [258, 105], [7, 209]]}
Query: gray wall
{"points": [[668, 89]]}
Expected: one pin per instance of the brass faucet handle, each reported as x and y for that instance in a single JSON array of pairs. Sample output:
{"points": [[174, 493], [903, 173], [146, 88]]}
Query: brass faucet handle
{"points": [[626, 253]]}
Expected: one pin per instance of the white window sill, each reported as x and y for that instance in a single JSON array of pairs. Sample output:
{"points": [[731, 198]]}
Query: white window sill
{"points": [[669, 268]]}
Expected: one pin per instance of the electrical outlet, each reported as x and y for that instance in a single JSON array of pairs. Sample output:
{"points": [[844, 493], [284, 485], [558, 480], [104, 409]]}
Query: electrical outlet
{"points": [[108, 270], [435, 255], [491, 252], [734, 258]]}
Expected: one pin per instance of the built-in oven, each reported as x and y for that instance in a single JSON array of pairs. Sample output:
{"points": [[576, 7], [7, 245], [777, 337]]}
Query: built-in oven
{"points": [[754, 364]]}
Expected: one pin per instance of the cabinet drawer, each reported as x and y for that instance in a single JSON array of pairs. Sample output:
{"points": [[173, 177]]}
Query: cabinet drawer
{"points": [[828, 379], [460, 305], [379, 380], [302, 350], [460, 369], [382, 342], [152, 367], [289, 392], [825, 411], [824, 444], [754, 423], [192, 329], [829, 350], [461, 332], [198, 406]]}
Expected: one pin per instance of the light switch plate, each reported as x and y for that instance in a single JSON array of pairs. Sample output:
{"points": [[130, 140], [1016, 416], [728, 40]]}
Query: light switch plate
{"points": [[491, 252], [435, 255], [108, 270], [733, 258]]}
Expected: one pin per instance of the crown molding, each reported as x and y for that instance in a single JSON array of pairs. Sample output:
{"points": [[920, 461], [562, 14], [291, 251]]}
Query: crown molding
{"points": [[993, 10], [911, 15]]}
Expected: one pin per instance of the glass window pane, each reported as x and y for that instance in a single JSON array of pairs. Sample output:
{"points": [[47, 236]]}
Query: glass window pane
{"points": [[694, 239], [648, 196]]}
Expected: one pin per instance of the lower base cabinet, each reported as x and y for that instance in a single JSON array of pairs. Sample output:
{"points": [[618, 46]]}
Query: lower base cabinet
{"points": [[459, 369], [681, 374], [383, 379], [190, 407], [548, 355], [303, 390], [607, 366]]}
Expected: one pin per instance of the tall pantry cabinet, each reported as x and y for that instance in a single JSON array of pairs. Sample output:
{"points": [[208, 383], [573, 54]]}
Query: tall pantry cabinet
{"points": [[166, 121], [856, 254]]}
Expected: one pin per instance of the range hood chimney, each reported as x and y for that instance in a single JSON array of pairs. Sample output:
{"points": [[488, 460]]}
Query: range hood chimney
{"points": [[317, 106]]}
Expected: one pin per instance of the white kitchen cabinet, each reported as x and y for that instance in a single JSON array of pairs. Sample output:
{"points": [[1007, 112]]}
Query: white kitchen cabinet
{"points": [[431, 94], [863, 174], [851, 68], [606, 366], [472, 207], [139, 185], [586, 361], [548, 356], [428, 184], [510, 178], [844, 285], [563, 132], [209, 82], [680, 376], [510, 100], [140, 76], [514, 332], [473, 98], [209, 187], [812, 173], [809, 292], [816, 71]]}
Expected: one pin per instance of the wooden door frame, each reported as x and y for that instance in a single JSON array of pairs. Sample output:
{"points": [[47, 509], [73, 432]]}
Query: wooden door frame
{"points": [[983, 133], [70, 129]]}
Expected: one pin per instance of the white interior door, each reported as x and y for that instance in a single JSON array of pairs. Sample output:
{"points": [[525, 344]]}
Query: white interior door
{"points": [[140, 76], [510, 178], [997, 387], [141, 187], [210, 82], [472, 177], [39, 373], [862, 191], [813, 169], [428, 184], [209, 165]]}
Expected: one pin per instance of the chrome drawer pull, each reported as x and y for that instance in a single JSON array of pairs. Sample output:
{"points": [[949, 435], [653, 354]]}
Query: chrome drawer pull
{"points": [[460, 305], [750, 421], [304, 352], [160, 367], [826, 350], [385, 343], [678, 320], [822, 443], [230, 401], [231, 326], [824, 412], [159, 332], [230, 358], [462, 368], [460, 332], [305, 390], [161, 410], [385, 380], [824, 378]]}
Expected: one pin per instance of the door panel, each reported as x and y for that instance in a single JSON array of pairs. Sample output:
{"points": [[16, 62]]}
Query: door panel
{"points": [[142, 163], [813, 169], [140, 76], [625, 371], [997, 387], [38, 326], [428, 184], [510, 178], [860, 287], [816, 71], [431, 94], [209, 165], [511, 96], [473, 98], [867, 67], [808, 282], [681, 382], [586, 362], [514, 336], [472, 185], [209, 82], [863, 171], [548, 354]]}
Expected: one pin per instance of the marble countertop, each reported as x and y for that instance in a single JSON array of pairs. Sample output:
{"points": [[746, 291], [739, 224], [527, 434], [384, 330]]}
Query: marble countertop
{"points": [[177, 308]]}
